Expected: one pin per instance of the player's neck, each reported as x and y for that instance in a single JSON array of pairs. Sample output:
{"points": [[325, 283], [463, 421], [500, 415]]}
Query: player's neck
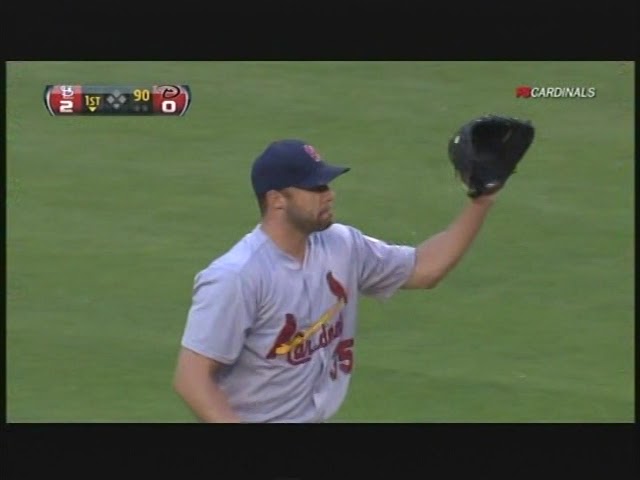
{"points": [[287, 238]]}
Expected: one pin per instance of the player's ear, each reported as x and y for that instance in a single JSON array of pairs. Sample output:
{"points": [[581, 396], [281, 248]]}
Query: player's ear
{"points": [[275, 199]]}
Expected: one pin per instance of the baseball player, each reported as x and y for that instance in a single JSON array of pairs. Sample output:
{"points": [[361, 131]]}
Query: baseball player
{"points": [[270, 335]]}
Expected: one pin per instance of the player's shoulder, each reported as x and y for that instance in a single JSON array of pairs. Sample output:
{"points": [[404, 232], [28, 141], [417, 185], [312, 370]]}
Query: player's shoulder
{"points": [[342, 231], [349, 235], [237, 260], [337, 234]]}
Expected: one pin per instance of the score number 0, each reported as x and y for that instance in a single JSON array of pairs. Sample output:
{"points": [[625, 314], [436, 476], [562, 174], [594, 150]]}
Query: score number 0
{"points": [[168, 106]]}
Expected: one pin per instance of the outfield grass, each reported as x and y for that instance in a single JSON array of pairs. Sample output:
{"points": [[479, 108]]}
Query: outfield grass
{"points": [[108, 219]]}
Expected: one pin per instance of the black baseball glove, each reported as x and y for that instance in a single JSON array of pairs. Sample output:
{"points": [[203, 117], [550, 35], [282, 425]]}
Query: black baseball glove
{"points": [[485, 151]]}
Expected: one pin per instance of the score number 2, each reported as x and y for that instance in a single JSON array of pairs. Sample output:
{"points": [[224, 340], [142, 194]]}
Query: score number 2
{"points": [[66, 106]]}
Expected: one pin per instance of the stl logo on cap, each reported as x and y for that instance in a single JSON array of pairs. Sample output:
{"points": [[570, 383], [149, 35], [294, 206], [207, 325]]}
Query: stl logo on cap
{"points": [[313, 153]]}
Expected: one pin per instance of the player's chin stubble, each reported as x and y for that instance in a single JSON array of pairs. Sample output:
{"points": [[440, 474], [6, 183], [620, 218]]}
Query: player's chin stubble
{"points": [[308, 224]]}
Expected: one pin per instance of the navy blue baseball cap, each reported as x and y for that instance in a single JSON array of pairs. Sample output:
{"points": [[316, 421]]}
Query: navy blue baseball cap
{"points": [[291, 163]]}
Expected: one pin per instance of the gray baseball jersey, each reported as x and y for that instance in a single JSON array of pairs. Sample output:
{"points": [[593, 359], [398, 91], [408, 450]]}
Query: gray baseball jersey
{"points": [[284, 330]]}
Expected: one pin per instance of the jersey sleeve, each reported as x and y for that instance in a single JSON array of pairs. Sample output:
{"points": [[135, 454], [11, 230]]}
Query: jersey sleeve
{"points": [[220, 315], [383, 267]]}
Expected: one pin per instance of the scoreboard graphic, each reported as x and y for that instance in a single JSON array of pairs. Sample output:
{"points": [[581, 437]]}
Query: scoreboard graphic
{"points": [[101, 100]]}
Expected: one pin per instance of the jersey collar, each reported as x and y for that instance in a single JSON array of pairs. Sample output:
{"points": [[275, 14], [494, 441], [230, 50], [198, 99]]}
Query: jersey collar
{"points": [[287, 260]]}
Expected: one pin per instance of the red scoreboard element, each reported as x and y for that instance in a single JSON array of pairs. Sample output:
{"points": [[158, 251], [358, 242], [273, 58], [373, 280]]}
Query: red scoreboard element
{"points": [[63, 99], [171, 99], [121, 100]]}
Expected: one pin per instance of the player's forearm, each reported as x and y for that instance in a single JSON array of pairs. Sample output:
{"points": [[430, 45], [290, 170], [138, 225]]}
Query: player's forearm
{"points": [[207, 401], [441, 252]]}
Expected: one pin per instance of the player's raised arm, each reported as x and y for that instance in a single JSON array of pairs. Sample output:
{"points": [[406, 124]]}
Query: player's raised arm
{"points": [[436, 256], [484, 153]]}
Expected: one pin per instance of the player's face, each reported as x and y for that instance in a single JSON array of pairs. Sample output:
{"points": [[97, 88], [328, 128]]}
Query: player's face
{"points": [[309, 210]]}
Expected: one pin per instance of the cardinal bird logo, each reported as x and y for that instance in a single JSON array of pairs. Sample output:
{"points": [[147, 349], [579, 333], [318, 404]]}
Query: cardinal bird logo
{"points": [[285, 343], [313, 153]]}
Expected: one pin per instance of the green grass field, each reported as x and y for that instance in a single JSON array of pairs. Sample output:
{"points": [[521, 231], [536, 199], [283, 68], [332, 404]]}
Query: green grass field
{"points": [[108, 220]]}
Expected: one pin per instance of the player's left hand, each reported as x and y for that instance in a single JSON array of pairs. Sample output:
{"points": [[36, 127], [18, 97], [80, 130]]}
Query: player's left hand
{"points": [[485, 151]]}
